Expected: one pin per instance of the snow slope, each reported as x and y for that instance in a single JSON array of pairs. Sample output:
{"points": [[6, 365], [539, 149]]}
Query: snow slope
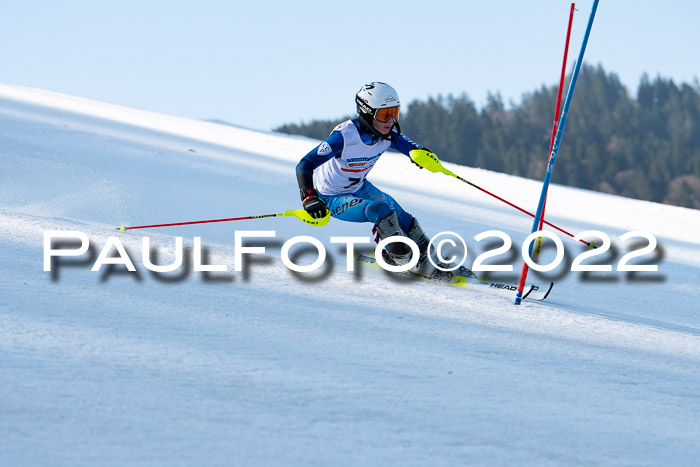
{"points": [[270, 367]]}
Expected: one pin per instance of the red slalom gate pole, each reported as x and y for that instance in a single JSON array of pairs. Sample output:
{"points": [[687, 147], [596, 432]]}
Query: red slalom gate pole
{"points": [[557, 112], [555, 148]]}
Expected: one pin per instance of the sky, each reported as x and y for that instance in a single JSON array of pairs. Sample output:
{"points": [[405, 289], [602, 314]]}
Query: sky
{"points": [[266, 63]]}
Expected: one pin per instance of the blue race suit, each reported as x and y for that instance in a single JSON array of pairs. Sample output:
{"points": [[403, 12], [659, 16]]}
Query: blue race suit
{"points": [[337, 168]]}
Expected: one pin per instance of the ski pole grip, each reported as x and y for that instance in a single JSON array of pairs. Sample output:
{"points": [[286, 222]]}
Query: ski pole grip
{"points": [[428, 160]]}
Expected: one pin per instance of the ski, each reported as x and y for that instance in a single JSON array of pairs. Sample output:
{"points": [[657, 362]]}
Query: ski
{"points": [[533, 291]]}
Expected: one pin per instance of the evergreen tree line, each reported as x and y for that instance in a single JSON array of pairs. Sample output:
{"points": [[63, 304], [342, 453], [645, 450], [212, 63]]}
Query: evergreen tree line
{"points": [[645, 148]]}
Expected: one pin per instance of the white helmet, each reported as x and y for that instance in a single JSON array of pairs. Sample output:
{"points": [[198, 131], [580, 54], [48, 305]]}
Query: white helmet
{"points": [[380, 101]]}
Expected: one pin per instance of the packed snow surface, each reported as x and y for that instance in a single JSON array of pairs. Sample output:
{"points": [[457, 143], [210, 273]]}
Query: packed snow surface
{"points": [[268, 366]]}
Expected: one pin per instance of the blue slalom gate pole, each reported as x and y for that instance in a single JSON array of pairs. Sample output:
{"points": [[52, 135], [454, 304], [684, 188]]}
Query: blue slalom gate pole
{"points": [[555, 149]]}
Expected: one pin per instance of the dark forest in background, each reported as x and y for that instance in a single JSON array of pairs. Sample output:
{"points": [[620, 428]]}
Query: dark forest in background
{"points": [[645, 147]]}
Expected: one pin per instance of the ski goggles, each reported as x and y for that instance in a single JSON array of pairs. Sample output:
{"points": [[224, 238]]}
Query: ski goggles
{"points": [[386, 113]]}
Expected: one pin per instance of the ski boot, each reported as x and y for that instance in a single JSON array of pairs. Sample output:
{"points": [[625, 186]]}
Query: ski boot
{"points": [[397, 253], [425, 267]]}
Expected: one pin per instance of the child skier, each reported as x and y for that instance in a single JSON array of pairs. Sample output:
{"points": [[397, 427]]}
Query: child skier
{"points": [[333, 175]]}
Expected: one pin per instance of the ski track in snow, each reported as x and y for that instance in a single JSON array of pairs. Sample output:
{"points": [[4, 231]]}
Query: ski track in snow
{"points": [[271, 367]]}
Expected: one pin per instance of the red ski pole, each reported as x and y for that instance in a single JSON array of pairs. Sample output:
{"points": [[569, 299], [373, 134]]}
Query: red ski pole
{"points": [[298, 213], [429, 161]]}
